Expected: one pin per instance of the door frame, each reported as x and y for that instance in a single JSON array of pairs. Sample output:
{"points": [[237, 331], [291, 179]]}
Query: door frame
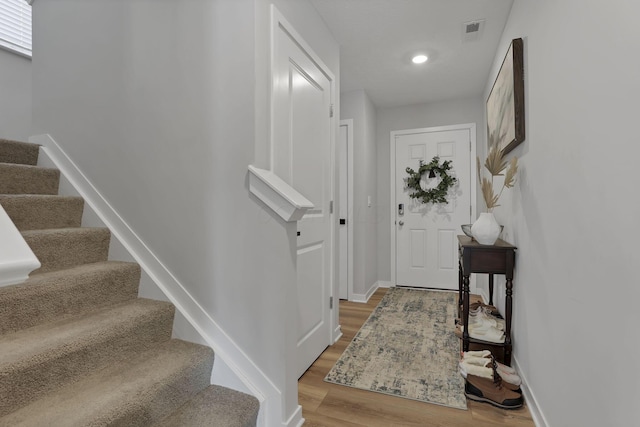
{"points": [[471, 127], [349, 124]]}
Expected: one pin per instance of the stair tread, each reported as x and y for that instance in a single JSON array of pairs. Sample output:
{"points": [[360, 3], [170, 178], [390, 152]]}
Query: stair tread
{"points": [[28, 179], [43, 211], [50, 339], [66, 230], [12, 151], [229, 408], [123, 391], [79, 269], [64, 293], [61, 248]]}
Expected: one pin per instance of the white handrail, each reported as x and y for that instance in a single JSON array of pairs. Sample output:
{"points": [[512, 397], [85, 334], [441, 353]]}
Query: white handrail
{"points": [[16, 257]]}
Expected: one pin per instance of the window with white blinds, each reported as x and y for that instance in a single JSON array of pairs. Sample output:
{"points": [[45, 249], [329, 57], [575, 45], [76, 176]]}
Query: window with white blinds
{"points": [[15, 26]]}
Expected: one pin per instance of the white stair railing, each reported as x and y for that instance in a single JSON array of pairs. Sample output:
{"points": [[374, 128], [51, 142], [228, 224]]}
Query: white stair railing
{"points": [[16, 257]]}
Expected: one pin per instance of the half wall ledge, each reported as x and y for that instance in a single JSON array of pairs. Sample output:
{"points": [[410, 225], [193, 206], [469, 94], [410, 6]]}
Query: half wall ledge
{"points": [[277, 194]]}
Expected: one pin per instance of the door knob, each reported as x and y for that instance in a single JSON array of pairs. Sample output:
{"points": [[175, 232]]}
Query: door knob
{"points": [[401, 222]]}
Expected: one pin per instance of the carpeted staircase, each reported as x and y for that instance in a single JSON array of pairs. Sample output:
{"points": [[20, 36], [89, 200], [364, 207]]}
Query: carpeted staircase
{"points": [[77, 345]]}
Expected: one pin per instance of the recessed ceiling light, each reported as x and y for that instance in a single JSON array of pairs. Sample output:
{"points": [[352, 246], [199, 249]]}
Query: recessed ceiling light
{"points": [[419, 59]]}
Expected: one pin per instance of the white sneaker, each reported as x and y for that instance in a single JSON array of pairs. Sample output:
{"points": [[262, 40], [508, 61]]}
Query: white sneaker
{"points": [[482, 317], [486, 333], [478, 358]]}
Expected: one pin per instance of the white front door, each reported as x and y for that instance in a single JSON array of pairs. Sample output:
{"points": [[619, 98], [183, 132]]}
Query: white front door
{"points": [[302, 93], [426, 234]]}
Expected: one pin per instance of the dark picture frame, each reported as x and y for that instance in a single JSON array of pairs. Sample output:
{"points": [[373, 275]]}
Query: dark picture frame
{"points": [[505, 104]]}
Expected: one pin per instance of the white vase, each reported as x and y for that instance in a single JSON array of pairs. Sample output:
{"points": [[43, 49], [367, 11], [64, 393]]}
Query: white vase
{"points": [[486, 229]]}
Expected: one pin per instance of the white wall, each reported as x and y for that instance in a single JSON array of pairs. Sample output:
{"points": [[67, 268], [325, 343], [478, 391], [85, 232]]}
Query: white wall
{"points": [[15, 89], [412, 117], [575, 208], [160, 105], [356, 105]]}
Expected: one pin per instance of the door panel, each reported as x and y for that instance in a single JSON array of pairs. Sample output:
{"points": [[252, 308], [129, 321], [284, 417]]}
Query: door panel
{"points": [[302, 129], [426, 249]]}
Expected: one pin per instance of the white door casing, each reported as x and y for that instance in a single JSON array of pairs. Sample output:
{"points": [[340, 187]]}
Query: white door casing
{"points": [[424, 238], [345, 199], [301, 155]]}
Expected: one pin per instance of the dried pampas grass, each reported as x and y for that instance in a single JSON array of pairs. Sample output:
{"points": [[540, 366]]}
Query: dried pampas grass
{"points": [[496, 165]]}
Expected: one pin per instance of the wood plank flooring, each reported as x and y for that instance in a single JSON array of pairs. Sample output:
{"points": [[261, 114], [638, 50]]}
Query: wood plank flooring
{"points": [[332, 405]]}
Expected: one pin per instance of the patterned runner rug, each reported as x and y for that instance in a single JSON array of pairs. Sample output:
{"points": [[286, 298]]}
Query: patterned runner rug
{"points": [[407, 348]]}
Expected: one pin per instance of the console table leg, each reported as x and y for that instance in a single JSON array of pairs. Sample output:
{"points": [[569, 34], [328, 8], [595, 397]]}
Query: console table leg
{"points": [[459, 286], [507, 332], [465, 315], [490, 289]]}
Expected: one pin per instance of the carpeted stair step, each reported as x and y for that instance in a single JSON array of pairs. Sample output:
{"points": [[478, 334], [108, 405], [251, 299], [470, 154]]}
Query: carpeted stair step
{"points": [[216, 406], [25, 179], [18, 152], [39, 212], [138, 392], [61, 248], [38, 360], [58, 294]]}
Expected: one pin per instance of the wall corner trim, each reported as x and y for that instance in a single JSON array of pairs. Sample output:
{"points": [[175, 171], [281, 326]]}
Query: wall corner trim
{"points": [[277, 194], [532, 403]]}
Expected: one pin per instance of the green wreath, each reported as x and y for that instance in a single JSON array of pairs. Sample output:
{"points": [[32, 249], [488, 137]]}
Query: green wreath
{"points": [[434, 195]]}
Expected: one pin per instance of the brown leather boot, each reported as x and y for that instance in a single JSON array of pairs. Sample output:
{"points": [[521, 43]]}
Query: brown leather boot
{"points": [[492, 392]]}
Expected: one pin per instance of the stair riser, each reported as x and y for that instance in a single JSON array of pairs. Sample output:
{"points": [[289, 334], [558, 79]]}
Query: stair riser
{"points": [[18, 152], [65, 248], [43, 212], [232, 408], [51, 297], [32, 379], [17, 179], [166, 398]]}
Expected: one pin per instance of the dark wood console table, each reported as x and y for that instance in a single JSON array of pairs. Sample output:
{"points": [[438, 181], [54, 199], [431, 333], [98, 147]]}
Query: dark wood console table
{"points": [[498, 258]]}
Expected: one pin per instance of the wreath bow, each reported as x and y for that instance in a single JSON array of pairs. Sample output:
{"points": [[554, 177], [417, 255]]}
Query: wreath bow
{"points": [[433, 195]]}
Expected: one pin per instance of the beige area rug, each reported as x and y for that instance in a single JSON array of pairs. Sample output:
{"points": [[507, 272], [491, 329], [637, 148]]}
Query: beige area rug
{"points": [[407, 348]]}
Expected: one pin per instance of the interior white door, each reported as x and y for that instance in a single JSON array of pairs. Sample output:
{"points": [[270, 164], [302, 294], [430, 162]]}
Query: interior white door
{"points": [[302, 102], [343, 198], [426, 242]]}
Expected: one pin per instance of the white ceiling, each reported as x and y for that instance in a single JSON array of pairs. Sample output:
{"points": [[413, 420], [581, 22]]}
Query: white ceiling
{"points": [[378, 38]]}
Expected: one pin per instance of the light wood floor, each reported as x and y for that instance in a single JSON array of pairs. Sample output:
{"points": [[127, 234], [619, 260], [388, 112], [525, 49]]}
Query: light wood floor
{"points": [[332, 405]]}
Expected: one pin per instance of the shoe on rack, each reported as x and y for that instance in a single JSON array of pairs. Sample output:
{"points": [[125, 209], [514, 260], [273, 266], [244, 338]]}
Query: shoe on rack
{"points": [[487, 371], [492, 392], [484, 318], [483, 358], [477, 353], [479, 304], [488, 334]]}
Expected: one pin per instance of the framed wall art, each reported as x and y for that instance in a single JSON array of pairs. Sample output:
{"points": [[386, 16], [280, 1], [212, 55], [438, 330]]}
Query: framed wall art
{"points": [[505, 104]]}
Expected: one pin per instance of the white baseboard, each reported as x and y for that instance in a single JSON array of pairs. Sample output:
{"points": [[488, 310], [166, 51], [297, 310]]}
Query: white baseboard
{"points": [[364, 297], [240, 365], [295, 420], [532, 403], [337, 334]]}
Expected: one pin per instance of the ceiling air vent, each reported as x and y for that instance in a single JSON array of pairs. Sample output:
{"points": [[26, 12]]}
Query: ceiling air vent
{"points": [[472, 30]]}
